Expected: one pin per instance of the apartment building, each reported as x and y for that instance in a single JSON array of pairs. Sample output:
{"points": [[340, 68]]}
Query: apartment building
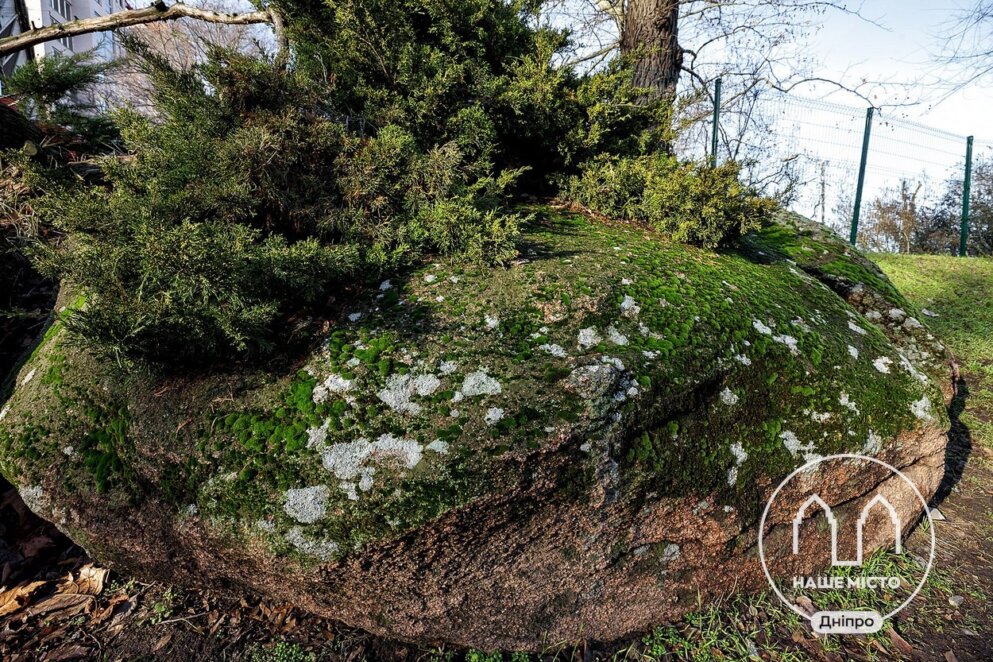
{"points": [[16, 16]]}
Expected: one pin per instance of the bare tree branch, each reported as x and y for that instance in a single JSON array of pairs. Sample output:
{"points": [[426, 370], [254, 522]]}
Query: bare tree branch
{"points": [[155, 13]]}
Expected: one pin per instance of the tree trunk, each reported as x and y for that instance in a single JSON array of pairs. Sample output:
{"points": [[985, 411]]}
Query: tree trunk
{"points": [[650, 35], [16, 129]]}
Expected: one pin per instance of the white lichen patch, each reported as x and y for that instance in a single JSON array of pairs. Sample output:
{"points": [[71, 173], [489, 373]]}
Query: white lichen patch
{"points": [[317, 436], [856, 328], [789, 341], [28, 377], [306, 504], [493, 416], [616, 337], [728, 397], [613, 361], [354, 317], [348, 461], [479, 383], [761, 328], [743, 360], [334, 384], [922, 408], [845, 401], [629, 307], [425, 385], [447, 367], [438, 446], [873, 444], [322, 549], [555, 350], [430, 278], [853, 352], [401, 388], [797, 447], [910, 368], [739, 458], [385, 285], [4, 412], [35, 499], [365, 481], [588, 338], [670, 553], [492, 322], [882, 364]]}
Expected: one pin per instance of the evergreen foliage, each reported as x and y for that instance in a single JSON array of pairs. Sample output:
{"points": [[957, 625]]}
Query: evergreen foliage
{"points": [[689, 202], [261, 189], [55, 90]]}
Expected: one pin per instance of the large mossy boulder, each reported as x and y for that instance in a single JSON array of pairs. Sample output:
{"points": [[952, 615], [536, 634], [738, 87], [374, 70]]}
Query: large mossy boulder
{"points": [[577, 446]]}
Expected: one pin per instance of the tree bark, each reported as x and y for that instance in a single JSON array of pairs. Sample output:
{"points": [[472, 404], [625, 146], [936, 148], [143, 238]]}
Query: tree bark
{"points": [[16, 129], [650, 35], [123, 19]]}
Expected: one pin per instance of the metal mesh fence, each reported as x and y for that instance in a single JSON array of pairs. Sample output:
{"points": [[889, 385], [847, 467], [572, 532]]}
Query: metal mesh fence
{"points": [[808, 152]]}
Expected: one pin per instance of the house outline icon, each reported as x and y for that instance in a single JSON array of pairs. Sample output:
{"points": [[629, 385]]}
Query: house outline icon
{"points": [[826, 509]]}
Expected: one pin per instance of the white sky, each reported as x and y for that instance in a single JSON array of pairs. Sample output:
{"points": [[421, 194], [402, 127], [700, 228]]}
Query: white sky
{"points": [[905, 51]]}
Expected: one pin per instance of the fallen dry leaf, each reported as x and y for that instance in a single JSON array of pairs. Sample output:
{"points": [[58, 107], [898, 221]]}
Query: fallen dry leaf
{"points": [[14, 599], [70, 604], [900, 643], [73, 652], [162, 643], [804, 603], [105, 613], [90, 581]]}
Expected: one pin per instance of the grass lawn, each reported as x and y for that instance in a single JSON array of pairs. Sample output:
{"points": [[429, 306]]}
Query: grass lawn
{"points": [[959, 293]]}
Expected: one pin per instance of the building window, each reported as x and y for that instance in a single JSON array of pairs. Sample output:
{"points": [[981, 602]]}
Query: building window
{"points": [[63, 7]]}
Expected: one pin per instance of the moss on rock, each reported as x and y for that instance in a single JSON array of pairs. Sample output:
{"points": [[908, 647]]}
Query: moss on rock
{"points": [[611, 364]]}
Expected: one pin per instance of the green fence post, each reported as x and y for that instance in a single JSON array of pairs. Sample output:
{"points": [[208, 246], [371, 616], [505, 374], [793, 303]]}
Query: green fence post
{"points": [[966, 194], [717, 123], [858, 191]]}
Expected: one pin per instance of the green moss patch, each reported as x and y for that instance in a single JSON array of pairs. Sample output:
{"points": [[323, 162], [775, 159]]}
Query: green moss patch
{"points": [[603, 355]]}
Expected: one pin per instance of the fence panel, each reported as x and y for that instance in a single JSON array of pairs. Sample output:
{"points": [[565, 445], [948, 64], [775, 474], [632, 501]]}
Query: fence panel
{"points": [[808, 152]]}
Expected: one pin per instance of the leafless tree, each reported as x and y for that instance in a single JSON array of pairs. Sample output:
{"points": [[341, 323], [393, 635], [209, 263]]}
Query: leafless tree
{"points": [[892, 219], [969, 44], [157, 12], [756, 47], [184, 43], [757, 41]]}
